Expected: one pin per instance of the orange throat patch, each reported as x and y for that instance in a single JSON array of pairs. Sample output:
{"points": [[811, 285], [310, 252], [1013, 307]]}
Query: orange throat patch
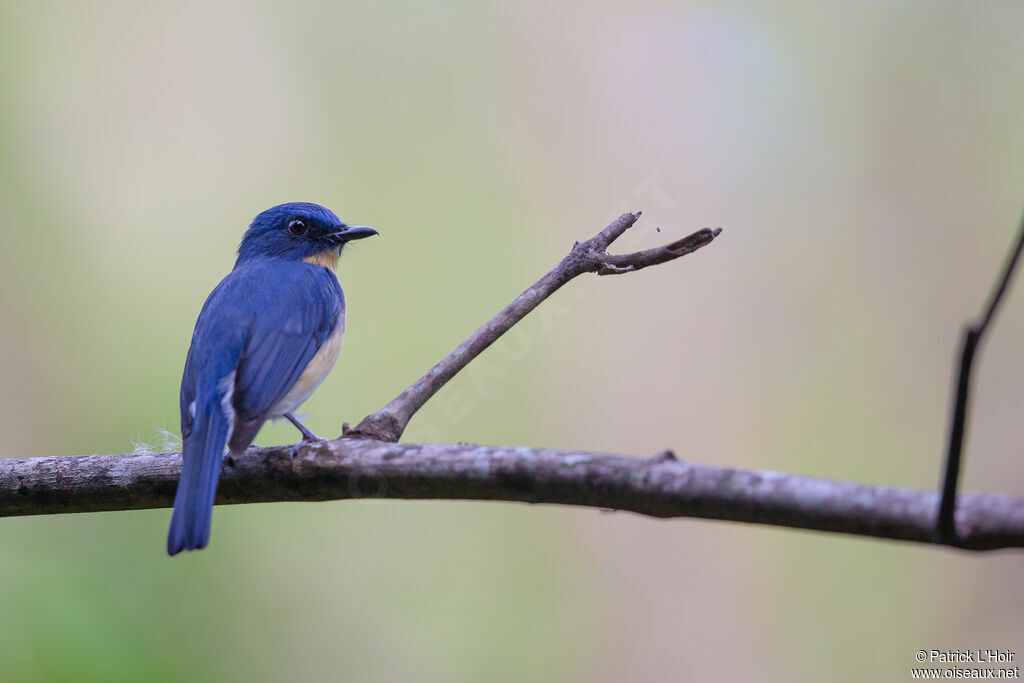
{"points": [[328, 258]]}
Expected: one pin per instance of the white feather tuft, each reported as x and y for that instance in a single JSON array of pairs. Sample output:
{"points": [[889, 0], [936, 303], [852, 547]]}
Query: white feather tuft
{"points": [[163, 441]]}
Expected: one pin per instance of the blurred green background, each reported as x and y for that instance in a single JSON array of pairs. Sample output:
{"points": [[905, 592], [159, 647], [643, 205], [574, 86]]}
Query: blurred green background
{"points": [[864, 159]]}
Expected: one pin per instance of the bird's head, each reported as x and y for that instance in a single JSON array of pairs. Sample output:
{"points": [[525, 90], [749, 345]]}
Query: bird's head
{"points": [[300, 231]]}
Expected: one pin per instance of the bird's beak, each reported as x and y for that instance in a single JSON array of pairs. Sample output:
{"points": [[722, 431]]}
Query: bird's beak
{"points": [[350, 232]]}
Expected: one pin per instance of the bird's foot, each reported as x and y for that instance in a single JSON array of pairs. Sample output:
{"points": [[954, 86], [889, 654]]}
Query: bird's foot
{"points": [[307, 435], [313, 438]]}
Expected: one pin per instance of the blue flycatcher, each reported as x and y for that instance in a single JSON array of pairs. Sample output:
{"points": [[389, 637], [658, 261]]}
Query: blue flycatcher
{"points": [[266, 338]]}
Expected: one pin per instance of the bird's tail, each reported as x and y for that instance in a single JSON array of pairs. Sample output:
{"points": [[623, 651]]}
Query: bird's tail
{"points": [[202, 455]]}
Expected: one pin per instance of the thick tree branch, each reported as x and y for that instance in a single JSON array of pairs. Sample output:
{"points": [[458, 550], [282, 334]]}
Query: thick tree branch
{"points": [[659, 487], [591, 256]]}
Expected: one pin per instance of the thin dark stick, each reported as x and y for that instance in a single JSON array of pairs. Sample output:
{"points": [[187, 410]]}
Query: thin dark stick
{"points": [[958, 425]]}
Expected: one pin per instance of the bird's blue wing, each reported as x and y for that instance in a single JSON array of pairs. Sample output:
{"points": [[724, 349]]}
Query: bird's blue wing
{"points": [[303, 308]]}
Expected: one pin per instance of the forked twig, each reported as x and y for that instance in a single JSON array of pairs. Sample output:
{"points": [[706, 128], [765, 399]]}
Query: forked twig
{"points": [[591, 256]]}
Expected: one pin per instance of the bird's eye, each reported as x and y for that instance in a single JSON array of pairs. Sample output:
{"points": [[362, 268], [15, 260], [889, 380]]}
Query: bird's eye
{"points": [[297, 227]]}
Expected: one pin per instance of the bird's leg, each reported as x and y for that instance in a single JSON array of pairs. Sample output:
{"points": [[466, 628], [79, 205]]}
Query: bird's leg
{"points": [[307, 435]]}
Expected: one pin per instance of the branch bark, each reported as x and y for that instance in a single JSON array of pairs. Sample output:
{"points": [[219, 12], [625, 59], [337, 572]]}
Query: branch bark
{"points": [[661, 486]]}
